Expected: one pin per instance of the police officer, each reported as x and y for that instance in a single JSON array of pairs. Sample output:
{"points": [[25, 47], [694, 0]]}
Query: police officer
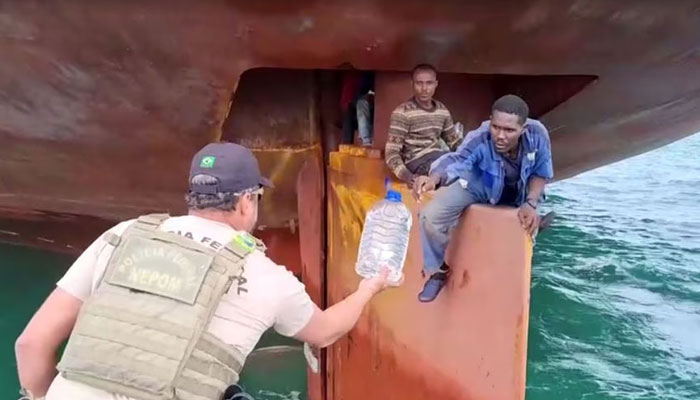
{"points": [[169, 307]]}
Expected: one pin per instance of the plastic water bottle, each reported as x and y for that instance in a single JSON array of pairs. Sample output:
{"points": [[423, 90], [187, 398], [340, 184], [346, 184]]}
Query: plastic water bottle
{"points": [[384, 240]]}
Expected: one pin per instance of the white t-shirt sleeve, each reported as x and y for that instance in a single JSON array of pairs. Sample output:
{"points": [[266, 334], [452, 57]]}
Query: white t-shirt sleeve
{"points": [[294, 306], [80, 277]]}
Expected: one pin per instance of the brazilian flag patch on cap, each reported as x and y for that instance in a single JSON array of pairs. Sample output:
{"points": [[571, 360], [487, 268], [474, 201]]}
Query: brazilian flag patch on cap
{"points": [[207, 162]]}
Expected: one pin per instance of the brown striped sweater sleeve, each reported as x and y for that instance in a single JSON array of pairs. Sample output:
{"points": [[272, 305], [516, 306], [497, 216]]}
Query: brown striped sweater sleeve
{"points": [[398, 129], [450, 135]]}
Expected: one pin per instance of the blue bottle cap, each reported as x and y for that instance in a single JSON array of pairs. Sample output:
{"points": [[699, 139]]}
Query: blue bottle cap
{"points": [[393, 195]]}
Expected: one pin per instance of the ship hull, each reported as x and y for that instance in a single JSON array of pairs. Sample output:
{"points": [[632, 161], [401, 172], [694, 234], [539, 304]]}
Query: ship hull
{"points": [[103, 104]]}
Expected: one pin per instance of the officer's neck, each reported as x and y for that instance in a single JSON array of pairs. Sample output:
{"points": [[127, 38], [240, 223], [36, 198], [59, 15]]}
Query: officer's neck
{"points": [[234, 220]]}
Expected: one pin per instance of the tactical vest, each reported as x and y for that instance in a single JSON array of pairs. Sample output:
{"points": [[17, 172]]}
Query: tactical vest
{"points": [[142, 333]]}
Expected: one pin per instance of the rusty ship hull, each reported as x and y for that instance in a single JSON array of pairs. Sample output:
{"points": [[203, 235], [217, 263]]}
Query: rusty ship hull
{"points": [[102, 105]]}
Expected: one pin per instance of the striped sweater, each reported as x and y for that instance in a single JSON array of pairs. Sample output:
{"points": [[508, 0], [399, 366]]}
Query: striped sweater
{"points": [[415, 132]]}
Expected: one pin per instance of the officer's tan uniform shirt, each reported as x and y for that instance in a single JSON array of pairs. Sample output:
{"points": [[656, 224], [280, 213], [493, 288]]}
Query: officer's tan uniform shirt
{"points": [[267, 295]]}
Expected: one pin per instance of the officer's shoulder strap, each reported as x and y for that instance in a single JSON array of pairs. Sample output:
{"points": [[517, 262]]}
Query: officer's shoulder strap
{"points": [[147, 223], [150, 222], [144, 223]]}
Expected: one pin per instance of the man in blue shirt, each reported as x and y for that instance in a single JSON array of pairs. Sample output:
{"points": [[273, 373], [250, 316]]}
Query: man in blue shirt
{"points": [[506, 161]]}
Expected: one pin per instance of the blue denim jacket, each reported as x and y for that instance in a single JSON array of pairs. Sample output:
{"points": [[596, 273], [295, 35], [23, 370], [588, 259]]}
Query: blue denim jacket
{"points": [[478, 166]]}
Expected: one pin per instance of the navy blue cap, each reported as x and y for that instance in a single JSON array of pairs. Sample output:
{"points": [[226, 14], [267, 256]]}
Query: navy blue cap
{"points": [[233, 165]]}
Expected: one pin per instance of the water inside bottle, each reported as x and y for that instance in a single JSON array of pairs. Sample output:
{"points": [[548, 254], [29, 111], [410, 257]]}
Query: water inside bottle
{"points": [[385, 236]]}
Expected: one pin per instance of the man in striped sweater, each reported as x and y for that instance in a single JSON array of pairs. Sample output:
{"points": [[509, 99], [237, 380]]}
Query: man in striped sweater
{"points": [[421, 129]]}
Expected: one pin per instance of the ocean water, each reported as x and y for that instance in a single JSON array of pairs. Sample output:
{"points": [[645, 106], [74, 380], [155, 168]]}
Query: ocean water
{"points": [[615, 302], [27, 276]]}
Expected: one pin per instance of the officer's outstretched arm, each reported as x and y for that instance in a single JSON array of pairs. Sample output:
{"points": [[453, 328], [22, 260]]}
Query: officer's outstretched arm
{"points": [[36, 347], [325, 327]]}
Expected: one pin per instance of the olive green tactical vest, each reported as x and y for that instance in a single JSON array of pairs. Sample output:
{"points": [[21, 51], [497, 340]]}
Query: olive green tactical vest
{"points": [[142, 333]]}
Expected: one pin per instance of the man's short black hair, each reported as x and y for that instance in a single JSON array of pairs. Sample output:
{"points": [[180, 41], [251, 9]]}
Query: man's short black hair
{"points": [[423, 67], [512, 104]]}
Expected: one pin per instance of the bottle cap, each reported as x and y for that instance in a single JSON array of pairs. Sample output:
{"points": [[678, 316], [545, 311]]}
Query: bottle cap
{"points": [[393, 195]]}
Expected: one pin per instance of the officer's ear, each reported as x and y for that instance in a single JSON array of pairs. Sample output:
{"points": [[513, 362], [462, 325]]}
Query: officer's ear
{"points": [[246, 203]]}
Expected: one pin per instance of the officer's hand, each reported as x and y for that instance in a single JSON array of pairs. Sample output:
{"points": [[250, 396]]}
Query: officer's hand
{"points": [[421, 185], [529, 219], [378, 283]]}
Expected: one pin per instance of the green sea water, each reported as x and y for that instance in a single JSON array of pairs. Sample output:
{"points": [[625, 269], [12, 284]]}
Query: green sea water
{"points": [[615, 302]]}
